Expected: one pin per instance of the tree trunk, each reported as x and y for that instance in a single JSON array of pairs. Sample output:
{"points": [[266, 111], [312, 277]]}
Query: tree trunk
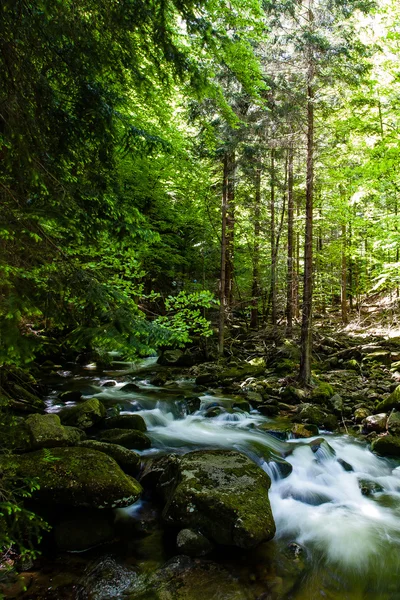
{"points": [[273, 253], [222, 284], [290, 265], [343, 298], [306, 325], [256, 252], [230, 231]]}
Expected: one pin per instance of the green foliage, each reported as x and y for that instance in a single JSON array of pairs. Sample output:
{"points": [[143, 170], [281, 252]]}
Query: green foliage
{"points": [[184, 316]]}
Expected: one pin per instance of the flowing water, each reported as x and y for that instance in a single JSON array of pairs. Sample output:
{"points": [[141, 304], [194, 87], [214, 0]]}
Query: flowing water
{"points": [[351, 539]]}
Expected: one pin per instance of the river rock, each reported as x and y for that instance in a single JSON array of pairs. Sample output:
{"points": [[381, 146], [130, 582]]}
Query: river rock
{"points": [[376, 423], [386, 445], [369, 487], [183, 578], [322, 393], [193, 543], [393, 423], [84, 415], [128, 460], [392, 401], [222, 494], [380, 357], [304, 431], [70, 396], [78, 477], [43, 431], [129, 387], [129, 438], [360, 414], [170, 358], [311, 413], [126, 422]]}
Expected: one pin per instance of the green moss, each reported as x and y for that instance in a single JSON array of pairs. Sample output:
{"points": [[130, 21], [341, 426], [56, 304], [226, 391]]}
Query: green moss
{"points": [[78, 477], [84, 415], [224, 495], [129, 438]]}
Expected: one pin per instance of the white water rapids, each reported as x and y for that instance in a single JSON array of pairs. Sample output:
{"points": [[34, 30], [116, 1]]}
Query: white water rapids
{"points": [[319, 504]]}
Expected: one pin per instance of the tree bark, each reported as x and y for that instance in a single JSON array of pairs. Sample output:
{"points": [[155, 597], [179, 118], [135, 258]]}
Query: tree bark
{"points": [[230, 232], [290, 265], [343, 298], [222, 284], [256, 252], [273, 253], [306, 325]]}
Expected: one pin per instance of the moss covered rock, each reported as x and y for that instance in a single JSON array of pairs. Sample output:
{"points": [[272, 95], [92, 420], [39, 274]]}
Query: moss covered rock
{"points": [[126, 422], [78, 477], [129, 438], [222, 494], [392, 401], [322, 392], [46, 431], [386, 445], [393, 423], [299, 430], [128, 460], [360, 414], [84, 415], [311, 413], [193, 543]]}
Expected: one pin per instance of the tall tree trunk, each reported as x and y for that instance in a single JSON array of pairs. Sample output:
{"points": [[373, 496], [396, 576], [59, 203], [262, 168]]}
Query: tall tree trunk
{"points": [[222, 283], [306, 324], [230, 232], [273, 253], [343, 298], [290, 265], [256, 252]]}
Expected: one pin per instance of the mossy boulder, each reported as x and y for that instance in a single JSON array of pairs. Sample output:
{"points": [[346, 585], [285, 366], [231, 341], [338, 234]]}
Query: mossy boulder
{"points": [[129, 438], [380, 357], [392, 401], [126, 422], [386, 445], [183, 578], [222, 494], [46, 431], [170, 358], [43, 431], [360, 414], [299, 430], [322, 393], [128, 460], [293, 395], [78, 477], [311, 413], [84, 415], [393, 423]]}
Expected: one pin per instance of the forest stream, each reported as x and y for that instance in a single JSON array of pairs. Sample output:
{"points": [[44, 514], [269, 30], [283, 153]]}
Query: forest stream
{"points": [[336, 538]]}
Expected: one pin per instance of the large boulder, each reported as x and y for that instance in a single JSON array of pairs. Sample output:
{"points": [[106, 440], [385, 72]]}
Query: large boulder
{"points": [[84, 415], [170, 358], [376, 423], [46, 431], [126, 422], [222, 494], [393, 423], [392, 401], [129, 438], [183, 578], [311, 413], [42, 431], [128, 460], [386, 445], [78, 477]]}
